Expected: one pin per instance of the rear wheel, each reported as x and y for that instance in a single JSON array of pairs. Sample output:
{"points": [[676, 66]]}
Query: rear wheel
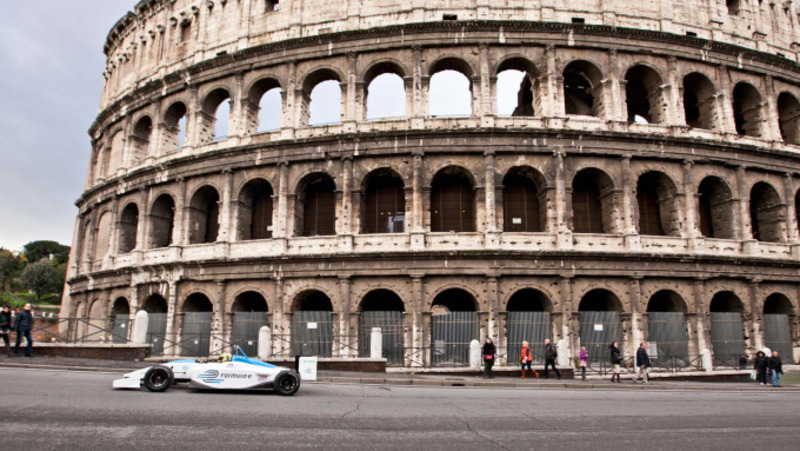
{"points": [[287, 384], [158, 378]]}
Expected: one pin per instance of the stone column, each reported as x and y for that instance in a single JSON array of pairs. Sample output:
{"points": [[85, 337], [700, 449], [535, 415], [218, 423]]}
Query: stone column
{"points": [[346, 230], [569, 322], [418, 110], [725, 122], [690, 231], [492, 233], [563, 232], [552, 97], [172, 329], [237, 122], [769, 109], [485, 85], [417, 308], [280, 322], [226, 209], [180, 221], [417, 216], [701, 316], [639, 324], [141, 225], [745, 229], [492, 307], [614, 110], [345, 343], [220, 331], [791, 209], [755, 318], [280, 217], [193, 119], [629, 231], [113, 233], [351, 106]]}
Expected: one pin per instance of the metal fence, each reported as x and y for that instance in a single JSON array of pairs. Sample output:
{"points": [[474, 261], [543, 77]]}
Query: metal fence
{"points": [[451, 335], [597, 331], [245, 328], [668, 335], [533, 327], [727, 338], [778, 335], [312, 334], [80, 330], [392, 330]]}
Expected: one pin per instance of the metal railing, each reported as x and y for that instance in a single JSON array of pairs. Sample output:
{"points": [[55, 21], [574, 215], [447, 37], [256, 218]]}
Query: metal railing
{"points": [[79, 330]]}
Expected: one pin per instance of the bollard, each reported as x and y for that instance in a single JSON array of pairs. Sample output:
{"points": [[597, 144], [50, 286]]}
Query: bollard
{"points": [[264, 343], [376, 343], [475, 354], [563, 354], [708, 363], [139, 332]]}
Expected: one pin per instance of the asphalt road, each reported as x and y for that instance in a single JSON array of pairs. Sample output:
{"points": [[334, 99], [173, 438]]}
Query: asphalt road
{"points": [[79, 410]]}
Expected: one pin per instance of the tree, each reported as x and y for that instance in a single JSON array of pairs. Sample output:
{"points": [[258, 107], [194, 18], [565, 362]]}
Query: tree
{"points": [[36, 250], [10, 267], [39, 277]]}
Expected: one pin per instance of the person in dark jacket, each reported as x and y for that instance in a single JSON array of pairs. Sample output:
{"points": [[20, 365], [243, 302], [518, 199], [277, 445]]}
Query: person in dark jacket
{"points": [[23, 327], [760, 367], [489, 356], [642, 363], [5, 327], [550, 356], [775, 368], [616, 360]]}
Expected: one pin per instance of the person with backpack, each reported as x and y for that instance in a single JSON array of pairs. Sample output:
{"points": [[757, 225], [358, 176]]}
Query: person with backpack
{"points": [[616, 360], [550, 356]]}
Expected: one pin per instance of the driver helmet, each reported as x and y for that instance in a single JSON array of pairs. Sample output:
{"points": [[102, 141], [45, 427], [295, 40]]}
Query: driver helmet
{"points": [[225, 357]]}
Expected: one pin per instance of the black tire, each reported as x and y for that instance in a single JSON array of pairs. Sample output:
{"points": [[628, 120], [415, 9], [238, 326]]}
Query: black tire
{"points": [[158, 378], [287, 383]]}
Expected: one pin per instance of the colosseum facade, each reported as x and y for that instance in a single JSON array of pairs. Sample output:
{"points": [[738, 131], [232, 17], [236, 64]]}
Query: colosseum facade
{"points": [[643, 185]]}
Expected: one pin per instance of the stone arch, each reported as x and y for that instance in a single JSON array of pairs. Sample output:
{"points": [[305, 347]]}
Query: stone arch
{"points": [[174, 127], [452, 201], [454, 300], [699, 102], [789, 118], [204, 215], [522, 72], [778, 304], [250, 301], [726, 302], [140, 139], [383, 202], [716, 212], [451, 78], [666, 301], [255, 210], [593, 202], [643, 95], [315, 208], [116, 153], [102, 236], [155, 303], [197, 302], [162, 221], [380, 300], [766, 213], [658, 205], [215, 115], [524, 195], [311, 112], [747, 110], [385, 91], [529, 300], [583, 89], [121, 306], [264, 105], [600, 300], [312, 300], [128, 228]]}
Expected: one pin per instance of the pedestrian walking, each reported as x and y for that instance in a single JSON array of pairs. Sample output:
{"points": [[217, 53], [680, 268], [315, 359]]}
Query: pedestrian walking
{"points": [[760, 367], [642, 363], [525, 359], [775, 368], [550, 356], [584, 362], [5, 327], [489, 356], [616, 360], [23, 327]]}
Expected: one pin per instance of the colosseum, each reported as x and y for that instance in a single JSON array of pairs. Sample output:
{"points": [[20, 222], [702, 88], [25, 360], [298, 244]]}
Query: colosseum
{"points": [[446, 170]]}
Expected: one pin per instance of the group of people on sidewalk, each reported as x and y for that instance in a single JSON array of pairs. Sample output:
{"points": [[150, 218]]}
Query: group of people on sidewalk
{"points": [[22, 326], [642, 363], [763, 365], [489, 353]]}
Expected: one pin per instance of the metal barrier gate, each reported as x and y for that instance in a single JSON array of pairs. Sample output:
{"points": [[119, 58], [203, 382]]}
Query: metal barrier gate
{"points": [[451, 335], [195, 334], [597, 331], [121, 328], [245, 328], [312, 333], [778, 335], [667, 331], [156, 329], [534, 327], [727, 338], [391, 324]]}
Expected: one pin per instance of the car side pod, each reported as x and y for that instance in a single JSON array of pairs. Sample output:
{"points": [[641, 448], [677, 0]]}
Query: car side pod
{"points": [[287, 383]]}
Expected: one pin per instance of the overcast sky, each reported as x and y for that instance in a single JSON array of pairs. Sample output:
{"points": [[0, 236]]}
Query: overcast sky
{"points": [[52, 62]]}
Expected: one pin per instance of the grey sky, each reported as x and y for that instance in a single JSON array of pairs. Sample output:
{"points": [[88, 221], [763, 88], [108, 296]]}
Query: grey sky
{"points": [[51, 53]]}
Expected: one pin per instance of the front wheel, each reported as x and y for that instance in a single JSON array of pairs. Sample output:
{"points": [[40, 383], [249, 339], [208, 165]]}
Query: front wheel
{"points": [[287, 384], [158, 378]]}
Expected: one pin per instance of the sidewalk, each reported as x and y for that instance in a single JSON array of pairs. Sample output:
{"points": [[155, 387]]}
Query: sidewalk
{"points": [[407, 378]]}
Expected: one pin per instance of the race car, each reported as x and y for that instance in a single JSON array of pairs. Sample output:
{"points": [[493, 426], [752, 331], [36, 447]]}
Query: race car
{"points": [[230, 372]]}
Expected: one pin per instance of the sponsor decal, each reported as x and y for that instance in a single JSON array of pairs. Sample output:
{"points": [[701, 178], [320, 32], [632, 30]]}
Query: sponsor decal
{"points": [[210, 377]]}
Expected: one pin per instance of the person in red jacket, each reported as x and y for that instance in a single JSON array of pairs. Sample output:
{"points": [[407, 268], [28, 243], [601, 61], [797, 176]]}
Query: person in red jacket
{"points": [[525, 359]]}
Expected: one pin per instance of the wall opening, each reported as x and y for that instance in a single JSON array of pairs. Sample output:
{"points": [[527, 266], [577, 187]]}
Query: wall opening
{"points": [[386, 94], [264, 106], [255, 211], [522, 198], [643, 96], [658, 205], [592, 202], [452, 201], [317, 206], [582, 89], [716, 208], [698, 101], [128, 226], [175, 127], [384, 205], [747, 110], [204, 216], [766, 213], [162, 220], [140, 140], [789, 118], [450, 89]]}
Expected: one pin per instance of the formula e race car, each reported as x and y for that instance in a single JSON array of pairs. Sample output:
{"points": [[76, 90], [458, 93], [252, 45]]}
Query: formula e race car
{"points": [[230, 372]]}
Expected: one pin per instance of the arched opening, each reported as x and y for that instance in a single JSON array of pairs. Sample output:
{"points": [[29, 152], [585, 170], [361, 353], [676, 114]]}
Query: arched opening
{"points": [[454, 324], [386, 92], [727, 329], [116, 154], [316, 211], [599, 323], [715, 206], [733, 6], [778, 317], [162, 220], [384, 309], [174, 127], [254, 214], [312, 324], [522, 198], [667, 331], [643, 96], [249, 316], [140, 140], [264, 106], [766, 213], [592, 202], [452, 201], [322, 100], [698, 101], [789, 118], [102, 238], [450, 89], [582, 89], [656, 197], [215, 116], [120, 320], [384, 204], [196, 326], [516, 94], [156, 307], [204, 216], [96, 325], [747, 110], [528, 319], [128, 226]]}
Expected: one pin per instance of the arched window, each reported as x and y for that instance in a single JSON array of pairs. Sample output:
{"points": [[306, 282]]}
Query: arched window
{"points": [[666, 324], [312, 307], [249, 316], [382, 308], [450, 89], [140, 140], [204, 216], [384, 208], [789, 118], [386, 93], [747, 110], [643, 96], [317, 207], [582, 89], [452, 201], [116, 154], [322, 99], [698, 101], [175, 127], [128, 226], [162, 220], [658, 205], [766, 213], [521, 207], [778, 316], [255, 211], [215, 116], [264, 106], [454, 324], [103, 237], [599, 322], [727, 328], [592, 202], [196, 326], [716, 209], [515, 91]]}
